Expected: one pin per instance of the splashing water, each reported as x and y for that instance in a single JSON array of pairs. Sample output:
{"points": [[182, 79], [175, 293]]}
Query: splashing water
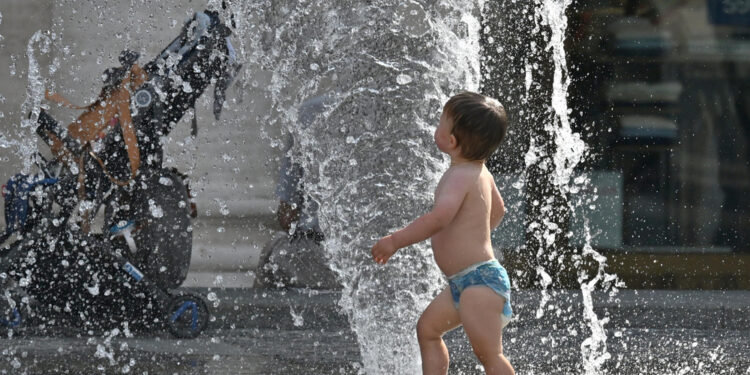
{"points": [[570, 150], [369, 161], [27, 146]]}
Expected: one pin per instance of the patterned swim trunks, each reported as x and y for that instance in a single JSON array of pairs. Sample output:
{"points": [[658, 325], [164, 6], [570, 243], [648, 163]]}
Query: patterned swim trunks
{"points": [[490, 274]]}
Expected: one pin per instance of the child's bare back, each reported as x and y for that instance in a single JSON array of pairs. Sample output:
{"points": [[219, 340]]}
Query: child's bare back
{"points": [[466, 239]]}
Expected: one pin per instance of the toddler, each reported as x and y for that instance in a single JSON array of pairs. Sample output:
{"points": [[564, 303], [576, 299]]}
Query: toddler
{"points": [[467, 207]]}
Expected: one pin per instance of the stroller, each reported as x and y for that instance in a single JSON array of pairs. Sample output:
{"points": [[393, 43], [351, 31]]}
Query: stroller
{"points": [[54, 266]]}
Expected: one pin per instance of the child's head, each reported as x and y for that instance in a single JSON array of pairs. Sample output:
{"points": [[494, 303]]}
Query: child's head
{"points": [[479, 124]]}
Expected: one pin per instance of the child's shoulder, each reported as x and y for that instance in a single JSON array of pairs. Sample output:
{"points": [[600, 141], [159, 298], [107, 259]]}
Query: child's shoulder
{"points": [[462, 170], [464, 174]]}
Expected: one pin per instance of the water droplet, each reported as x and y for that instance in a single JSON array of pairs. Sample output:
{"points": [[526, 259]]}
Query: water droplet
{"points": [[156, 211], [94, 290], [403, 79], [186, 87], [297, 318]]}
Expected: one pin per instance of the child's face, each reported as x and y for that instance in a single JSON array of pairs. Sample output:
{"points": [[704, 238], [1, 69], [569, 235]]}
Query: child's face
{"points": [[444, 140]]}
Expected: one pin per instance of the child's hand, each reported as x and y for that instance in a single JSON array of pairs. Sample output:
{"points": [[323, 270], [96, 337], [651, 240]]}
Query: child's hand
{"points": [[383, 250]]}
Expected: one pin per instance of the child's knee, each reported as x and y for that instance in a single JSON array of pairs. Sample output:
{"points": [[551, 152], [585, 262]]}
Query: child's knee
{"points": [[488, 359], [422, 328], [426, 330], [487, 350]]}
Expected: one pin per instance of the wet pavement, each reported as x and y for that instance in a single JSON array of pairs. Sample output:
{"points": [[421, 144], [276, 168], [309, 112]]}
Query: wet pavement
{"points": [[238, 351], [270, 351], [301, 332]]}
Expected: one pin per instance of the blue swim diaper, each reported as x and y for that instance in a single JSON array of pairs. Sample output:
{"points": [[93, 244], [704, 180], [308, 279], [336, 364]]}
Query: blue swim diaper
{"points": [[490, 274]]}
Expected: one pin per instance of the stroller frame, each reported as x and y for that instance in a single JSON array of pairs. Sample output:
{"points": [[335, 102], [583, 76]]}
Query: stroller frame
{"points": [[112, 158]]}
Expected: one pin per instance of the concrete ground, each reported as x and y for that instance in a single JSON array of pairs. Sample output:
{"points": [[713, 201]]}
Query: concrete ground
{"points": [[258, 331], [301, 332], [261, 331]]}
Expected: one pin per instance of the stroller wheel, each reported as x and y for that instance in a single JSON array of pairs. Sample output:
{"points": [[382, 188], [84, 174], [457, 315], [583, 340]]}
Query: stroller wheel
{"points": [[187, 315]]}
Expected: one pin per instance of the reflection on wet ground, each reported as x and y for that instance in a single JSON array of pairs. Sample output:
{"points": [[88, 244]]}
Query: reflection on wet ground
{"points": [[216, 352], [270, 351], [302, 332]]}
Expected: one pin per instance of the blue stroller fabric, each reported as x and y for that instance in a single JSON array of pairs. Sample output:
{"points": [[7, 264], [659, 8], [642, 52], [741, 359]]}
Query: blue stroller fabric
{"points": [[16, 194]]}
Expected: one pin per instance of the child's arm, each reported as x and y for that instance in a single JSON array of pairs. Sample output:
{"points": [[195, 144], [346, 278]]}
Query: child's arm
{"points": [[447, 202], [498, 207]]}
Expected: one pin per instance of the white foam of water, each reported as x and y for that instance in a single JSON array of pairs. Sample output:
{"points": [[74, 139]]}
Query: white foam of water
{"points": [[26, 146], [370, 161], [569, 151]]}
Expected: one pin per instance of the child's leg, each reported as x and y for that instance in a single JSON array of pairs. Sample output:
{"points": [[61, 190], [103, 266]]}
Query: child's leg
{"points": [[480, 311], [438, 318]]}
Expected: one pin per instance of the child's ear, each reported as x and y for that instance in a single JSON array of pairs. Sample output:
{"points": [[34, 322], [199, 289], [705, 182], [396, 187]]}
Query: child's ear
{"points": [[453, 141]]}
